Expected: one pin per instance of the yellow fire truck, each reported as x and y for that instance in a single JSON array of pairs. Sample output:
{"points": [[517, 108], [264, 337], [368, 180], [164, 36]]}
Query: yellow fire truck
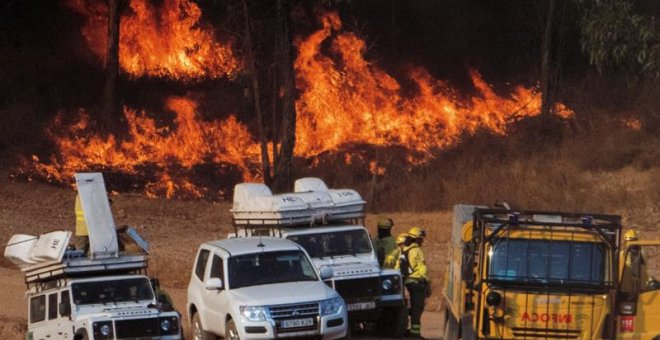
{"points": [[546, 275]]}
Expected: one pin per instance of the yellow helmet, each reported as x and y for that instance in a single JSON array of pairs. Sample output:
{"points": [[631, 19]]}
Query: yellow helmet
{"points": [[631, 235], [401, 238], [416, 232], [385, 223]]}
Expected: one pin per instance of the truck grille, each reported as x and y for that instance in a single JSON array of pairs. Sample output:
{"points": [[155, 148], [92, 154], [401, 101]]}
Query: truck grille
{"points": [[137, 328], [358, 288], [293, 312], [545, 333]]}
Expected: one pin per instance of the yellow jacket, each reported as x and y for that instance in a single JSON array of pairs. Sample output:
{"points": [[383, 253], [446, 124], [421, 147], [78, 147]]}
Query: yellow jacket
{"points": [[392, 259], [417, 270]]}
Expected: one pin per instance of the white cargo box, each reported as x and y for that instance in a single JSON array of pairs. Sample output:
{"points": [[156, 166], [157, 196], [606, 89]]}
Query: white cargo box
{"points": [[255, 204], [19, 249]]}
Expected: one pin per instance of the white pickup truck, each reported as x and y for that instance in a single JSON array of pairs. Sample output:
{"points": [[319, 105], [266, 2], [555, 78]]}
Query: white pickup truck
{"points": [[327, 223], [261, 288]]}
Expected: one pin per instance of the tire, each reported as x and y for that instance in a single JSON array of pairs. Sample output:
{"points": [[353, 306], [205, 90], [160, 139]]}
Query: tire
{"points": [[451, 327], [81, 334], [393, 322], [231, 333], [197, 330]]}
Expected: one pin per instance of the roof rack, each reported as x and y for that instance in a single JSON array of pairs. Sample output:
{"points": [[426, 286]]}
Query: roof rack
{"points": [[83, 267], [311, 204]]}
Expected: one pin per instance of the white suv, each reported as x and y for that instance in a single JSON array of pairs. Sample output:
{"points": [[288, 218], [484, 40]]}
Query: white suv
{"points": [[261, 288]]}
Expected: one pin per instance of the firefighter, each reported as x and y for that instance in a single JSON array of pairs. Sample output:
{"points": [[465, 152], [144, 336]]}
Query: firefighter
{"points": [[384, 242], [392, 260], [413, 269]]}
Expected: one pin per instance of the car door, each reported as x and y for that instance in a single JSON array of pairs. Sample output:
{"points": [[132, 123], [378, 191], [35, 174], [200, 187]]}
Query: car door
{"points": [[64, 323], [217, 299], [639, 304], [38, 326]]}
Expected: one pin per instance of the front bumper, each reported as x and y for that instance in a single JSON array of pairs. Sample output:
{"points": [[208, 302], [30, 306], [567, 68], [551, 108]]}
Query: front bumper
{"points": [[327, 327]]}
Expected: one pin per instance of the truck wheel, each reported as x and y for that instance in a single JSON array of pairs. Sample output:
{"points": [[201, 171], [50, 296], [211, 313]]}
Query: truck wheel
{"points": [[393, 322], [451, 327], [198, 332], [231, 333]]}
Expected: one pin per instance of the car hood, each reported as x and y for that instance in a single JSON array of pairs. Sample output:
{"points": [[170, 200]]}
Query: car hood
{"points": [[348, 267], [283, 293]]}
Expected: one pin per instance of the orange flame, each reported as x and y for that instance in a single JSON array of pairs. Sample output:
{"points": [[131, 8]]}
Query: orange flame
{"points": [[168, 41], [191, 142], [346, 99]]}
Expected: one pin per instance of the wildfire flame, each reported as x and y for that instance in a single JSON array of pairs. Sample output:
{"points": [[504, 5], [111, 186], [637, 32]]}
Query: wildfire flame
{"points": [[166, 41], [346, 99], [169, 151]]}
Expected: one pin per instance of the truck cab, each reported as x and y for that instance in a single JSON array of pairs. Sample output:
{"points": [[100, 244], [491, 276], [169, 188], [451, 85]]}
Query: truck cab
{"points": [[327, 223], [261, 288], [531, 274], [103, 307]]}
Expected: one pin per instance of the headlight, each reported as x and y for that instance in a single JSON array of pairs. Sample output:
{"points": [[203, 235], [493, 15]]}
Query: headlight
{"points": [[105, 330], [390, 284], [102, 330], [386, 284], [253, 313], [165, 325], [169, 325], [332, 306]]}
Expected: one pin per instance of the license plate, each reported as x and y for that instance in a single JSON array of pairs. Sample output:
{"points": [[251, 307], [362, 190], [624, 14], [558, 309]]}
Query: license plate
{"points": [[361, 306], [297, 323]]}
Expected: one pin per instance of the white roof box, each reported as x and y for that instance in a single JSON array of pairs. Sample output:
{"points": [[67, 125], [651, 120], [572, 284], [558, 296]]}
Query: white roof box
{"points": [[254, 204], [27, 250]]}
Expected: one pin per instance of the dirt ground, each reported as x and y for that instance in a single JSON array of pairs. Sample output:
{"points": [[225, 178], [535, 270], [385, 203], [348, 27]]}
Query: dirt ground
{"points": [[174, 230]]}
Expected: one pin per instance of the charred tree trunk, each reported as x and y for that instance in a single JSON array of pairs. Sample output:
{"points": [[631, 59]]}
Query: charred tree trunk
{"points": [[110, 101], [252, 68], [546, 52], [288, 126]]}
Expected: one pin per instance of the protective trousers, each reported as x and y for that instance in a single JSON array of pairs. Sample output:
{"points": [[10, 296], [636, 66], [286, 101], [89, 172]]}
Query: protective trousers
{"points": [[417, 293]]}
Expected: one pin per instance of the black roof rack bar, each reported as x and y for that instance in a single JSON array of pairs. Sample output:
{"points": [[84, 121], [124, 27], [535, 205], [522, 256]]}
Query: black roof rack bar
{"points": [[526, 218]]}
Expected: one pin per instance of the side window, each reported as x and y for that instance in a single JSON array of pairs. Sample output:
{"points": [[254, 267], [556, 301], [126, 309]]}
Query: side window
{"points": [[201, 263], [216, 267], [52, 306], [38, 308], [65, 298]]}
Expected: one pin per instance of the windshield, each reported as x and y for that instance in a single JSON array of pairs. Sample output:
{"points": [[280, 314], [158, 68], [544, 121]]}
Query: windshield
{"points": [[548, 262], [337, 243], [270, 267], [111, 291]]}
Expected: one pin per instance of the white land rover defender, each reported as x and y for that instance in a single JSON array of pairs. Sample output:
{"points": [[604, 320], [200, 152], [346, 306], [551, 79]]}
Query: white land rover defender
{"points": [[261, 288], [328, 224], [96, 293]]}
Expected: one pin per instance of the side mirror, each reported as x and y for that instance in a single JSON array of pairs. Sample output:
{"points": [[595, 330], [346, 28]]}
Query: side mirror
{"points": [[326, 272], [64, 309], [214, 283]]}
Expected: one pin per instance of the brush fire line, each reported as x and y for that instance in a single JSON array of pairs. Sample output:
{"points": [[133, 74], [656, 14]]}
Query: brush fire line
{"points": [[552, 275]]}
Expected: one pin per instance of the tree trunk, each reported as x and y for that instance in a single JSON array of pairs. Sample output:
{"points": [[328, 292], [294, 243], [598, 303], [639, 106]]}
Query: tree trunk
{"points": [[252, 68], [288, 126], [546, 52], [110, 100]]}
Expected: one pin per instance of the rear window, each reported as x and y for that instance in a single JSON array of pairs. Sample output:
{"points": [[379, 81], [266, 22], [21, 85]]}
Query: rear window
{"points": [[38, 308]]}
